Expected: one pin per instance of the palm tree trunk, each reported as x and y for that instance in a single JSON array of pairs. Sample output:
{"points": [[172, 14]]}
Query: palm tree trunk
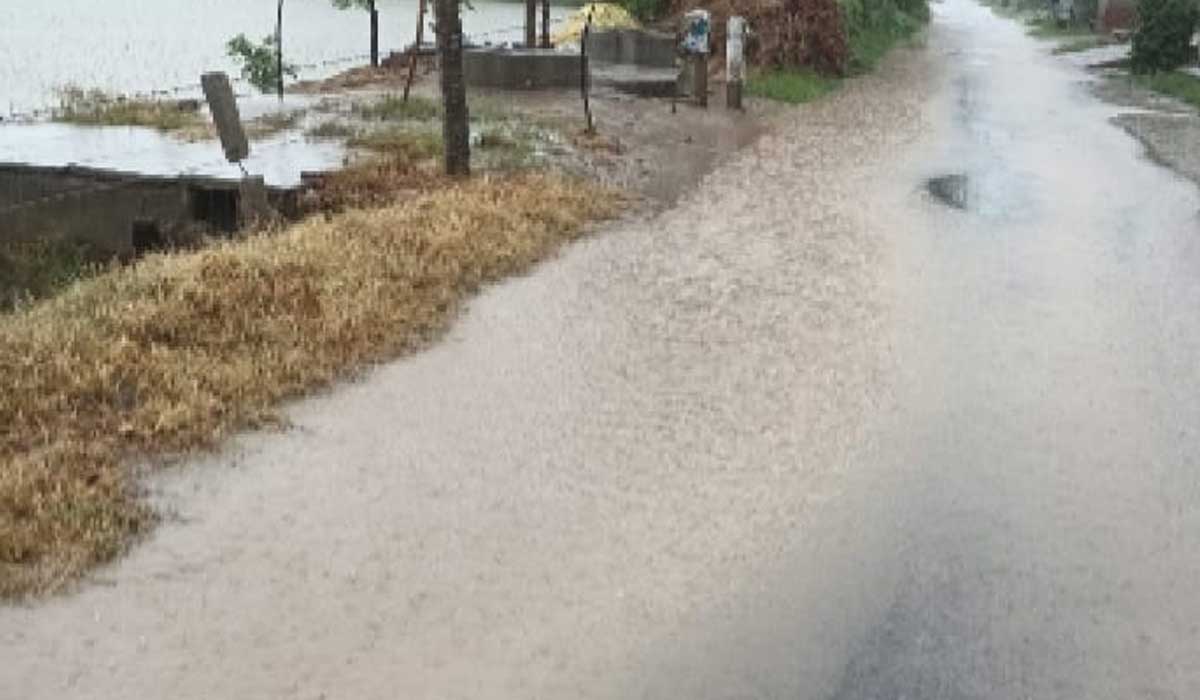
{"points": [[455, 132]]}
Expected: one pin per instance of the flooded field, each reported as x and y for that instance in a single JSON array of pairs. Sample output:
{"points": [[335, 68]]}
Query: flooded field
{"points": [[137, 46]]}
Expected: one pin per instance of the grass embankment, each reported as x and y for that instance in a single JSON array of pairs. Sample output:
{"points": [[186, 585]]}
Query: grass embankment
{"points": [[1182, 86], [181, 349]]}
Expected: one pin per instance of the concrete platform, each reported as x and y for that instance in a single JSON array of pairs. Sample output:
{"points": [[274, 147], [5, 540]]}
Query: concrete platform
{"points": [[635, 80]]}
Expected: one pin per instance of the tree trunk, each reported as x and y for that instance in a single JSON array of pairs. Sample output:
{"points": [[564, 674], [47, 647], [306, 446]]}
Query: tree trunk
{"points": [[530, 24], [374, 35], [545, 24], [455, 132]]}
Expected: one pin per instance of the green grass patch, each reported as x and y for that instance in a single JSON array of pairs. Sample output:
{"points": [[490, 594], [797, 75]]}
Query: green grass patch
{"points": [[1048, 28], [1181, 86], [394, 108], [408, 144], [332, 129], [791, 86], [1083, 43], [35, 270], [97, 108], [871, 42]]}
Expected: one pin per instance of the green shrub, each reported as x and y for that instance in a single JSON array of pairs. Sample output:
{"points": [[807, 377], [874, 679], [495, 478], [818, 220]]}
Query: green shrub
{"points": [[37, 269], [260, 63], [646, 10], [1162, 40]]}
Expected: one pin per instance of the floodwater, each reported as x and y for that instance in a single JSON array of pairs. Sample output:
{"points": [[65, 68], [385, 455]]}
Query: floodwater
{"points": [[140, 46], [811, 433], [279, 159]]}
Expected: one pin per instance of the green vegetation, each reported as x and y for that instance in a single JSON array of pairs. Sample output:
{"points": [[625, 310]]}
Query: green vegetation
{"points": [[260, 62], [393, 108], [97, 108], [35, 270], [1162, 41], [398, 141], [867, 30], [646, 10], [792, 86], [874, 27], [1048, 28], [1181, 86], [331, 129]]}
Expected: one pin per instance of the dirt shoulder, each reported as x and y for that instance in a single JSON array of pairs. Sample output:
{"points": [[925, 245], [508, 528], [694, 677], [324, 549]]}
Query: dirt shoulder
{"points": [[1167, 127], [649, 146]]}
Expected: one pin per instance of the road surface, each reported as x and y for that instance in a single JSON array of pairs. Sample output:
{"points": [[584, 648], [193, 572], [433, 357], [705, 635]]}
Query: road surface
{"points": [[812, 433]]}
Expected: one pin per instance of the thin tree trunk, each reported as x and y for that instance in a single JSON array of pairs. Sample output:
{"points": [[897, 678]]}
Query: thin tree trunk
{"points": [[545, 24], [374, 35], [415, 50], [455, 131], [279, 49]]}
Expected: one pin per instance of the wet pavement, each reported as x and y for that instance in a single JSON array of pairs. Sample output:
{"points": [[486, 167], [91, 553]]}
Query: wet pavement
{"points": [[810, 433]]}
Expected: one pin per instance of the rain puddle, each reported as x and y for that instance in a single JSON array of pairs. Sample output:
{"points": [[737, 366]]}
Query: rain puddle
{"points": [[951, 190]]}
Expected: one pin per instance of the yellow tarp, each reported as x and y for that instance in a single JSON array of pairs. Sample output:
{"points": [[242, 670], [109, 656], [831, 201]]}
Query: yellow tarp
{"points": [[604, 16]]}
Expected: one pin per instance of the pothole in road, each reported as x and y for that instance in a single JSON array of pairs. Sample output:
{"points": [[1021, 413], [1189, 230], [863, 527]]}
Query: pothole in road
{"points": [[950, 190]]}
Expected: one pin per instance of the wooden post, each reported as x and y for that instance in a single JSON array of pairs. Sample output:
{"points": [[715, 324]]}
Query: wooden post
{"points": [[700, 78], [584, 76], [416, 48], [545, 24], [279, 49]]}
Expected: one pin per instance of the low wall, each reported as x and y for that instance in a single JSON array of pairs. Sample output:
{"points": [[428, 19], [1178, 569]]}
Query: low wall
{"points": [[521, 69], [99, 207], [632, 46]]}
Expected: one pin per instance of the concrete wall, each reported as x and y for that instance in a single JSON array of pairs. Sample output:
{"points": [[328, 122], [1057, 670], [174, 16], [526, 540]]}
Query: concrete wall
{"points": [[632, 46], [521, 69], [99, 207]]}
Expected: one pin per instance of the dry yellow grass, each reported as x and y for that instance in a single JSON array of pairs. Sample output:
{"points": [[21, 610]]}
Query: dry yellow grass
{"points": [[181, 349]]}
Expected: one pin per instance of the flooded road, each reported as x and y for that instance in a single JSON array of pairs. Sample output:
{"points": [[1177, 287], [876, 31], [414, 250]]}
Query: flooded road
{"points": [[815, 432]]}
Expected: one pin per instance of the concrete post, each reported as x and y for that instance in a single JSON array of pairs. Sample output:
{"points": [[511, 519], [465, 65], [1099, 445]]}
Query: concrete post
{"points": [[735, 64], [223, 105]]}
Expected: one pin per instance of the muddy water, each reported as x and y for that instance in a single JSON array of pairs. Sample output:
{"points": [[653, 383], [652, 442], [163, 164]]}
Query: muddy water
{"points": [[135, 46], [809, 434]]}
